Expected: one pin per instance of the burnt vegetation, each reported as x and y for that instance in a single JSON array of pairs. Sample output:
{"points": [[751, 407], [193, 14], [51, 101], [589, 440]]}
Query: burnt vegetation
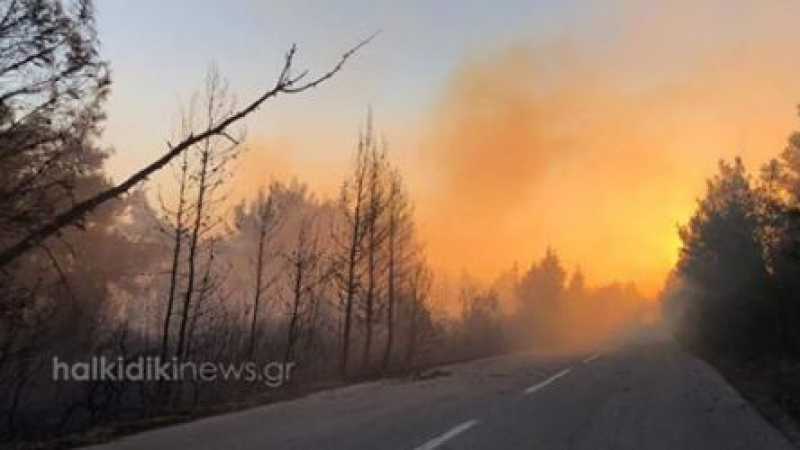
{"points": [[338, 286]]}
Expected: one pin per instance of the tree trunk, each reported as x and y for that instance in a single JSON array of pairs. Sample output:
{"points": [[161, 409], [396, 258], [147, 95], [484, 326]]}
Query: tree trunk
{"points": [[387, 352], [350, 295], [262, 236], [187, 299], [297, 294], [176, 254]]}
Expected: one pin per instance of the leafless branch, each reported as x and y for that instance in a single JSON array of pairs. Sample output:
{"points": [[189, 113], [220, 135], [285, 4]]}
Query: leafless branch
{"points": [[286, 84]]}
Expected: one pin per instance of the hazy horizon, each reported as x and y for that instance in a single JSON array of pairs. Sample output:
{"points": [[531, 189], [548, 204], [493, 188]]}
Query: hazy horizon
{"points": [[598, 128]]}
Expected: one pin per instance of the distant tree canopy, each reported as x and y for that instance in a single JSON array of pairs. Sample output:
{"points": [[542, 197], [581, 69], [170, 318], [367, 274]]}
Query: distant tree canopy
{"points": [[555, 309], [543, 282], [736, 290]]}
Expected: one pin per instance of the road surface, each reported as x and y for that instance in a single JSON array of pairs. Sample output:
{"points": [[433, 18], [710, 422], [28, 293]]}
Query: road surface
{"points": [[644, 395]]}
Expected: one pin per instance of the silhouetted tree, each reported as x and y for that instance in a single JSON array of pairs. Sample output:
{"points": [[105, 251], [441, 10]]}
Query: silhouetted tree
{"points": [[52, 87], [419, 321], [354, 206], [723, 261], [287, 83], [480, 321], [376, 234], [304, 266], [214, 155], [539, 294], [261, 221], [401, 254]]}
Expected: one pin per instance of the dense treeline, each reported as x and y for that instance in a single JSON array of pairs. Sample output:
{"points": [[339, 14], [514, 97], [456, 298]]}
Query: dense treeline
{"points": [[734, 297], [339, 287], [735, 290], [551, 309]]}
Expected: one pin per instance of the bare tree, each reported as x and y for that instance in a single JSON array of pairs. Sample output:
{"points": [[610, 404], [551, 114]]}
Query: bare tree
{"points": [[419, 286], [287, 83], [303, 264], [177, 232], [353, 206], [375, 237], [71, 286], [266, 220], [400, 235], [214, 157], [207, 287]]}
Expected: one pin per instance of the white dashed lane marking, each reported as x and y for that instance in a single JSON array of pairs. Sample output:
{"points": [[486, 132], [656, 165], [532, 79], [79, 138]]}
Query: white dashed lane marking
{"points": [[458, 429], [591, 358], [544, 383], [453, 432]]}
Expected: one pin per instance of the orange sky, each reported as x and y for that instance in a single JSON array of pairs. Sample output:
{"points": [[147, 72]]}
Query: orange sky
{"points": [[594, 138], [531, 147]]}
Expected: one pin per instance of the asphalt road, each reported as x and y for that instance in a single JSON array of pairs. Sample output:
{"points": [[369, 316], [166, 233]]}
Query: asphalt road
{"points": [[647, 394]]}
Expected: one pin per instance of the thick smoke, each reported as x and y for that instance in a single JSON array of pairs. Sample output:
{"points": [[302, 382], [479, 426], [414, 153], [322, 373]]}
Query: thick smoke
{"points": [[601, 149]]}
